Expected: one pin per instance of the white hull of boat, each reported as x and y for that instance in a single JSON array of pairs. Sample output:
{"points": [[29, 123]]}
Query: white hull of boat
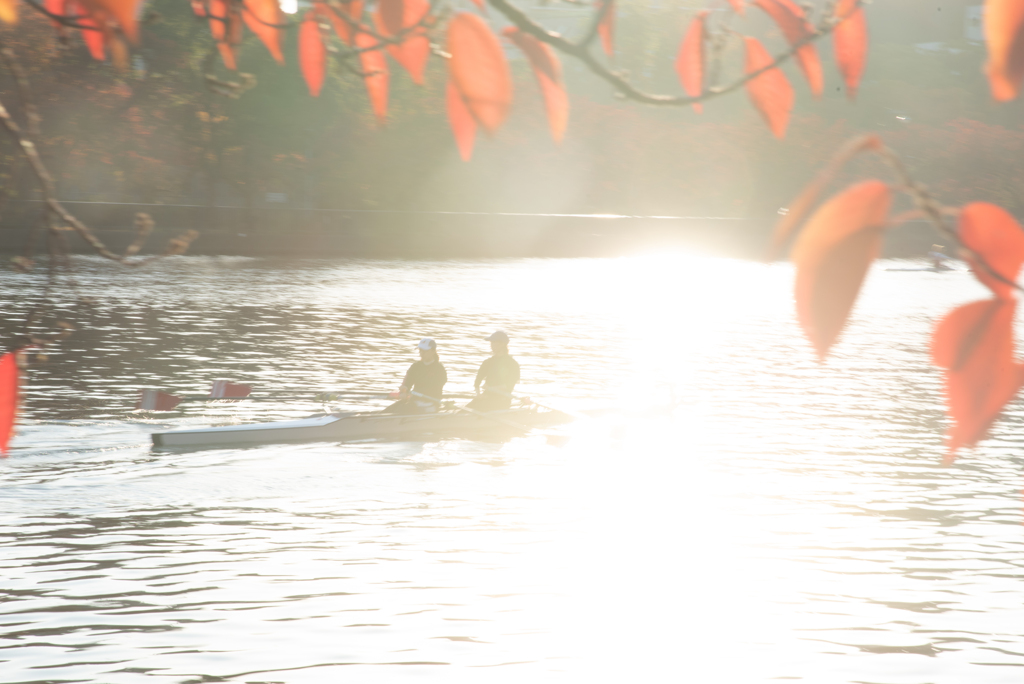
{"points": [[341, 427]]}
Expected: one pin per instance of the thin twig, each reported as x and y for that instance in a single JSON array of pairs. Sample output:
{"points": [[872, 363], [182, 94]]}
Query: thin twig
{"points": [[936, 213], [71, 22], [32, 117], [581, 52]]}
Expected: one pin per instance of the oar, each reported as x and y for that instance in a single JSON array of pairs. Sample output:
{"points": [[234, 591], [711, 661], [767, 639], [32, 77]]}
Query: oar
{"points": [[480, 414], [156, 400], [527, 400], [321, 396]]}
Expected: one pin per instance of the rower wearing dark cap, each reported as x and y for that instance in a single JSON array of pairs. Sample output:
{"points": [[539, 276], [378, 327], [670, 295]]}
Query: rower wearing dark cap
{"points": [[426, 377], [499, 375]]}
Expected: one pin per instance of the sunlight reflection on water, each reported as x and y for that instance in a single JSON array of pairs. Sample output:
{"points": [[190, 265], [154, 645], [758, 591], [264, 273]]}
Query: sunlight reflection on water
{"points": [[746, 515]]}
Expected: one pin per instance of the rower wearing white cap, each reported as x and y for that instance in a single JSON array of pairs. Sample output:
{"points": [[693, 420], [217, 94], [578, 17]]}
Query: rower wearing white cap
{"points": [[499, 375], [427, 377]]}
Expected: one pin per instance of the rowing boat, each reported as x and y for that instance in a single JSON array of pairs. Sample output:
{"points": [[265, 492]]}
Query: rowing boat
{"points": [[347, 427]]}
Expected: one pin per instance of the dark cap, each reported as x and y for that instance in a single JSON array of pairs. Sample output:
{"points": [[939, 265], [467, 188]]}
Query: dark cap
{"points": [[499, 336]]}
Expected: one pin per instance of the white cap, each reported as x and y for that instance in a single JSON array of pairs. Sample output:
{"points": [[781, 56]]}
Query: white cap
{"points": [[426, 344]]}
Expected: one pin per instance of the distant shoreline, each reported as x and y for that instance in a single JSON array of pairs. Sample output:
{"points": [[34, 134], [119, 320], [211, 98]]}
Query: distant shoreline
{"points": [[292, 232]]}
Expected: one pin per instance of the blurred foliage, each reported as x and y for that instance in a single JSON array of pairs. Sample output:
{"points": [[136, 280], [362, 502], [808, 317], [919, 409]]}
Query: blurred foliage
{"points": [[156, 135]]}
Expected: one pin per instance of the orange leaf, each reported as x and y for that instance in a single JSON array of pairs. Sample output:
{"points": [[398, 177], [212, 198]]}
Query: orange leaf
{"points": [[262, 17], [998, 239], [227, 53], [122, 11], [8, 399], [479, 70], [737, 6], [119, 52], [606, 29], [355, 9], [850, 40], [790, 18], [198, 8], [94, 40], [312, 52], [462, 122], [974, 344], [341, 27], [55, 7], [1004, 36], [59, 8], [375, 70], [412, 53], [389, 16], [770, 92], [9, 11], [808, 197], [832, 257], [234, 37], [690, 60], [548, 70], [218, 13]]}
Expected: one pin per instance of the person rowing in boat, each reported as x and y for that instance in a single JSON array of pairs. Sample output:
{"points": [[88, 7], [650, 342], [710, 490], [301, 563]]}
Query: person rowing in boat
{"points": [[426, 377], [498, 374]]}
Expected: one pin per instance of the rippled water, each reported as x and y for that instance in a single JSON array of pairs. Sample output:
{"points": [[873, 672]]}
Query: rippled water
{"points": [[744, 516]]}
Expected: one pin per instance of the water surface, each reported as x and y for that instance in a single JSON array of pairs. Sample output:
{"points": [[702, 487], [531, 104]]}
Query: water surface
{"points": [[745, 515]]}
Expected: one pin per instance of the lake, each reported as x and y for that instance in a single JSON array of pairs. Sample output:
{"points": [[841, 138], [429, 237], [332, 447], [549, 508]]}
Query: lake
{"points": [[740, 513]]}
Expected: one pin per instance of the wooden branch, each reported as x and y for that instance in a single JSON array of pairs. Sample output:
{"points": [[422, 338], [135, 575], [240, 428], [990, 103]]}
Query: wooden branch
{"points": [[581, 51]]}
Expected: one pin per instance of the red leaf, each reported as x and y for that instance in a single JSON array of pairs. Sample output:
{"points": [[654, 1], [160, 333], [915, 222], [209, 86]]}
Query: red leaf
{"points": [[790, 18], [1004, 36], [690, 60], [832, 256], [770, 92], [198, 8], [375, 70], [998, 239], [850, 40], [548, 70], [974, 344], [262, 16], [462, 122], [8, 399], [737, 6], [479, 70], [606, 29], [312, 52], [122, 11]]}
